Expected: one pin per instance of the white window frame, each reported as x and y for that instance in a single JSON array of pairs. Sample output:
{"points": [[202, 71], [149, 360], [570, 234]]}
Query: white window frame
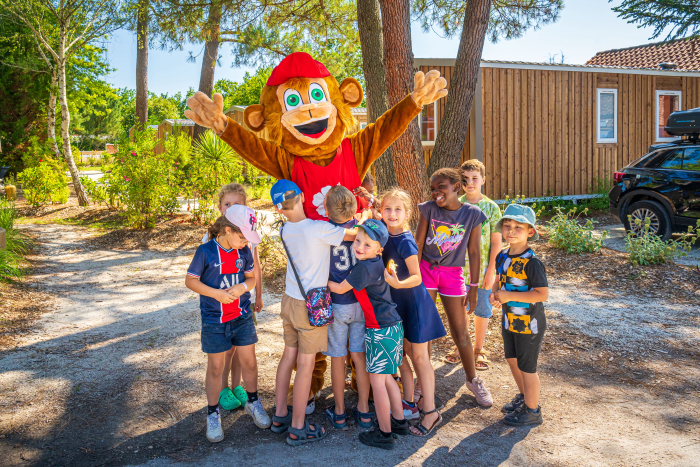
{"points": [[599, 139], [659, 93], [363, 125], [420, 126]]}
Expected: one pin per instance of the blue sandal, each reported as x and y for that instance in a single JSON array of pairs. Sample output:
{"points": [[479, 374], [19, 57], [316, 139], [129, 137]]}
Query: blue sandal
{"points": [[284, 422], [306, 434], [338, 421], [360, 415]]}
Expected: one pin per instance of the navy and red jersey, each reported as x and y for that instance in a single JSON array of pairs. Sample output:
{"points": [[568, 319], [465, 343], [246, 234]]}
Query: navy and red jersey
{"points": [[342, 261], [372, 291], [220, 268]]}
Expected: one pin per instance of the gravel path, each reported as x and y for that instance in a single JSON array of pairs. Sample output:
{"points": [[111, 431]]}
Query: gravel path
{"points": [[113, 375]]}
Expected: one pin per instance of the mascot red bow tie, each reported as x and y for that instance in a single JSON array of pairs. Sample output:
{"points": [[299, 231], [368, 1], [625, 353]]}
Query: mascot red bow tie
{"points": [[307, 116]]}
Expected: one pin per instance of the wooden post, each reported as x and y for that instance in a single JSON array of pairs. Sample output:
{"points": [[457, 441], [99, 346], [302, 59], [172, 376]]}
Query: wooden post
{"points": [[3, 243]]}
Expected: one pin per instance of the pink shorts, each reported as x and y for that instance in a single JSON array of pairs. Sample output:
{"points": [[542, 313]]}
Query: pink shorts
{"points": [[448, 281]]}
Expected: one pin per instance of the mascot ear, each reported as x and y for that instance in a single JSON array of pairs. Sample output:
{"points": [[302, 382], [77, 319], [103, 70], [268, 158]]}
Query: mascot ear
{"points": [[253, 117], [351, 91]]}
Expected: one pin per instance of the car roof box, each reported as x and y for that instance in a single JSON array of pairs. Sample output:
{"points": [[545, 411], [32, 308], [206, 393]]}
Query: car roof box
{"points": [[684, 123]]}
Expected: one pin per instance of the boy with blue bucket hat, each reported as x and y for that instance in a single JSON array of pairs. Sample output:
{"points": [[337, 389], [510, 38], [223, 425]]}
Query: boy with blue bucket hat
{"points": [[519, 292]]}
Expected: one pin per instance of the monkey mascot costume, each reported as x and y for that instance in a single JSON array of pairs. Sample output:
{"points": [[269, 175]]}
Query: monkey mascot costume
{"points": [[307, 116]]}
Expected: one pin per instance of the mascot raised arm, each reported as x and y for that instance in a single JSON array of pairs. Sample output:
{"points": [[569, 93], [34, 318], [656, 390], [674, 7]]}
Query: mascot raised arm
{"points": [[307, 116]]}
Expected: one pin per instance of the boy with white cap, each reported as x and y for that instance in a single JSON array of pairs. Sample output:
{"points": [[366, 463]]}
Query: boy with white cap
{"points": [[221, 272]]}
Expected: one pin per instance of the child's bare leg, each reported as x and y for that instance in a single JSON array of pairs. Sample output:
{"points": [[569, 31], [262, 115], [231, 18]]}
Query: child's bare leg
{"points": [[284, 375], [426, 374], [362, 378], [457, 319], [249, 367], [236, 371], [382, 403], [302, 385], [228, 356], [392, 389], [407, 373], [531, 383], [517, 374], [212, 381], [480, 327], [338, 383]]}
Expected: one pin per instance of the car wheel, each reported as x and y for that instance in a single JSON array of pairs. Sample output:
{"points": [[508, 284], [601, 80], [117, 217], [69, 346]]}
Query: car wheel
{"points": [[659, 220]]}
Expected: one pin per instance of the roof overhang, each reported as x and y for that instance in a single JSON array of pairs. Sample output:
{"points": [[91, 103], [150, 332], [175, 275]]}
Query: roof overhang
{"points": [[558, 66]]}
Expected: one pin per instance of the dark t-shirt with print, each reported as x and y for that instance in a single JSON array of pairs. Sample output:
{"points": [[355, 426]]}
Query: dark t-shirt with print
{"points": [[342, 260], [521, 273], [372, 291], [448, 232]]}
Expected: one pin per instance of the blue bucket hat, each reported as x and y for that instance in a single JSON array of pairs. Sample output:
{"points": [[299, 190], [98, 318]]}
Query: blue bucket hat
{"points": [[376, 231], [519, 213]]}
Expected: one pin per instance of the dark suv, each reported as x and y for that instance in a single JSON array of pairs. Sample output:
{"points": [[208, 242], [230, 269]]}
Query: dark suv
{"points": [[663, 186]]}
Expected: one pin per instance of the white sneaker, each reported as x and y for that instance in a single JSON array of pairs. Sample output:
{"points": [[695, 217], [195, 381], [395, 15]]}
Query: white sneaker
{"points": [[260, 417], [310, 407], [483, 396], [215, 433]]}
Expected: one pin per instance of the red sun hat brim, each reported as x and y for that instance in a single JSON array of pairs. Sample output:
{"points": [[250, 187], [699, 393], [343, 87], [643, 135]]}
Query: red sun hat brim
{"points": [[297, 65]]}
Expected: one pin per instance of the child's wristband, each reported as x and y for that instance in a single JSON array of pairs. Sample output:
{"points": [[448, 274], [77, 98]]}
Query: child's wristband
{"points": [[245, 285], [473, 285]]}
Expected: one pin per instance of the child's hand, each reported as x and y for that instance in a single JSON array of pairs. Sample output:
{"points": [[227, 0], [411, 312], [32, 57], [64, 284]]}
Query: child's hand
{"points": [[500, 296], [224, 296], [333, 286], [237, 290], [366, 214], [471, 299], [258, 303], [362, 192], [495, 303], [391, 279], [489, 277]]}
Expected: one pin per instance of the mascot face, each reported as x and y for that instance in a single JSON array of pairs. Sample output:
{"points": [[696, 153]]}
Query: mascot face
{"points": [[303, 108]]}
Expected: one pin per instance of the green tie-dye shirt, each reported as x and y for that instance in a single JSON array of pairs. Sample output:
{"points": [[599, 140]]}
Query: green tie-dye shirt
{"points": [[493, 215]]}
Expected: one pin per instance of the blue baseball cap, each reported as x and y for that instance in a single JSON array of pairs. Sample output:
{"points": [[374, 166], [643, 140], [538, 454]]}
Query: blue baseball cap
{"points": [[376, 230], [278, 190]]}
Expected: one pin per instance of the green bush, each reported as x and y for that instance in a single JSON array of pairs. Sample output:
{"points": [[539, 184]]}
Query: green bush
{"points": [[95, 190], [144, 184], [17, 244], [566, 232], [649, 249], [44, 184]]}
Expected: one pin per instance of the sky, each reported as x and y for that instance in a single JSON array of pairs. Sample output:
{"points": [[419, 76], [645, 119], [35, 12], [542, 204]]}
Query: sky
{"points": [[584, 28]]}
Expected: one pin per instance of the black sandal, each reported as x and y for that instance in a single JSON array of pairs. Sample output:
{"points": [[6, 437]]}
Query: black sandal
{"points": [[423, 430], [284, 422], [306, 434]]}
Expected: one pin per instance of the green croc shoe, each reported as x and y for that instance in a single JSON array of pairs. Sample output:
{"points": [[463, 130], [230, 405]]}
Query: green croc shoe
{"points": [[228, 401], [241, 395]]}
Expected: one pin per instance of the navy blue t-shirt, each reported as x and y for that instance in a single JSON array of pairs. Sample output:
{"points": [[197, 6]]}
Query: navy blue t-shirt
{"points": [[220, 269], [372, 291], [342, 261]]}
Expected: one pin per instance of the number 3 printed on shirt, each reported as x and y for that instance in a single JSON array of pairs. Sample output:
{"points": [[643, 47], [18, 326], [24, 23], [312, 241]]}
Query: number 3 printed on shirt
{"points": [[346, 259]]}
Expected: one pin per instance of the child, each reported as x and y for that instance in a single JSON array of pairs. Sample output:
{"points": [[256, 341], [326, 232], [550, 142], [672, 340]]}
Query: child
{"points": [[447, 230], [520, 291], [348, 320], [473, 173], [234, 194], [365, 195], [307, 242], [221, 272], [421, 320], [383, 334]]}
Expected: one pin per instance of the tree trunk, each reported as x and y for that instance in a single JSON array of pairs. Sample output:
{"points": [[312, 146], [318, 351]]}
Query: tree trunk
{"points": [[407, 151], [65, 123], [51, 126], [211, 54], [369, 24], [142, 65], [455, 121]]}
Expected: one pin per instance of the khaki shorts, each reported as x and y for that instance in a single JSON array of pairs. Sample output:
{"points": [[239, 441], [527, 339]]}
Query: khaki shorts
{"points": [[297, 330]]}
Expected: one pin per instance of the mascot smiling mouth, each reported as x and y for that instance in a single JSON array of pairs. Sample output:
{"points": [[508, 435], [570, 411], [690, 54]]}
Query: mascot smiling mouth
{"points": [[313, 129]]}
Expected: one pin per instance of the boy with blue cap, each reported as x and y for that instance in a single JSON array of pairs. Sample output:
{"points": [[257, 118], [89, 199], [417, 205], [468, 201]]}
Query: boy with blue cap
{"points": [[519, 292], [307, 243], [383, 334]]}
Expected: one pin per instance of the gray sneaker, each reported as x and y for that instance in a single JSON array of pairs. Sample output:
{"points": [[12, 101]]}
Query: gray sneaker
{"points": [[260, 417], [478, 388], [516, 402], [215, 433]]}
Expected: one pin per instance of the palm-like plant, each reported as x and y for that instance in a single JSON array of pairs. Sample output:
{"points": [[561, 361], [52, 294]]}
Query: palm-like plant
{"points": [[214, 152]]}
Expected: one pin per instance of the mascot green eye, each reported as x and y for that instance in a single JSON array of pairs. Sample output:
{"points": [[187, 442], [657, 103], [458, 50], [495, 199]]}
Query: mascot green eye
{"points": [[316, 93], [292, 99]]}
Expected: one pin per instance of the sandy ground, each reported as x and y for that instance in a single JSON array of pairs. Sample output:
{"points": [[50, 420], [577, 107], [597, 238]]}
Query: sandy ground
{"points": [[113, 375]]}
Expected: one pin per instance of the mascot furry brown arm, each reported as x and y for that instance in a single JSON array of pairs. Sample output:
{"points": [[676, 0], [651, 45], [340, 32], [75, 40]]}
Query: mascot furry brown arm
{"points": [[307, 115]]}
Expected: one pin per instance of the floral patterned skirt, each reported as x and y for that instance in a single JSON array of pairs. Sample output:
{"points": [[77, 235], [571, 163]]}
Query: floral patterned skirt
{"points": [[384, 349]]}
